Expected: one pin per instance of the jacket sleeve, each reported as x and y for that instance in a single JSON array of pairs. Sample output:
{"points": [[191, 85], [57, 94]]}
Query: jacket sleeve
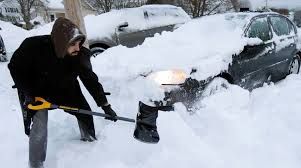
{"points": [[20, 67], [90, 80]]}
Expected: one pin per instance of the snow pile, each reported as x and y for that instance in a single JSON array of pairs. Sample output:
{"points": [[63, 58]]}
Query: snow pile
{"points": [[233, 128], [12, 35], [257, 129], [206, 44], [42, 30]]}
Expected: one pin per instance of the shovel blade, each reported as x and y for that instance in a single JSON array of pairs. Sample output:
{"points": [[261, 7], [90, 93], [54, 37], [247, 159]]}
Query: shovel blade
{"points": [[146, 128]]}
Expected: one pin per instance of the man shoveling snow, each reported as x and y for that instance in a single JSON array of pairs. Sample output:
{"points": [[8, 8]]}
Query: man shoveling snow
{"points": [[48, 66]]}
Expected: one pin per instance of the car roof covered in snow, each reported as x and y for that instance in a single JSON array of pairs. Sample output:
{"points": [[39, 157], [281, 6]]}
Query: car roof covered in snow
{"points": [[240, 19]]}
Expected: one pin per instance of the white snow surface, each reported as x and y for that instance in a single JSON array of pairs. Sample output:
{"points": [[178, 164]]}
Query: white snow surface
{"points": [[232, 128]]}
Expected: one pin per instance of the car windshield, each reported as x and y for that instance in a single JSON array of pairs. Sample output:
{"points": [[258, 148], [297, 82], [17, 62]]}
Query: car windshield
{"points": [[238, 20]]}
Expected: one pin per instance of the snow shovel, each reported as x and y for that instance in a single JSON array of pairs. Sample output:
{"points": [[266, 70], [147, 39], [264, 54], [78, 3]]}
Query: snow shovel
{"points": [[145, 130]]}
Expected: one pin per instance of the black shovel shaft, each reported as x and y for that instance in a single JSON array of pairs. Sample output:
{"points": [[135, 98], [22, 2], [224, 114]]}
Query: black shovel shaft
{"points": [[81, 111]]}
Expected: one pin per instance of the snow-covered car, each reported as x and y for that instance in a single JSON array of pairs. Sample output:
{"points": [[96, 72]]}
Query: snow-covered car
{"points": [[3, 56], [130, 26], [245, 49]]}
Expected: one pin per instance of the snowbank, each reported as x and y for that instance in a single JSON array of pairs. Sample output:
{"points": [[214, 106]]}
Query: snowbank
{"points": [[233, 128], [12, 35]]}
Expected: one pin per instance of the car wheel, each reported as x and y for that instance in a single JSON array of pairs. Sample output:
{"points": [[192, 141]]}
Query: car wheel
{"points": [[97, 50], [215, 85], [294, 66]]}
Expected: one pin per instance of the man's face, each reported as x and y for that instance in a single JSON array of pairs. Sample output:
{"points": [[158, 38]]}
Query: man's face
{"points": [[74, 48]]}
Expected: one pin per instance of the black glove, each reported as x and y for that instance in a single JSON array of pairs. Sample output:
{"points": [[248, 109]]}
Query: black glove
{"points": [[108, 110]]}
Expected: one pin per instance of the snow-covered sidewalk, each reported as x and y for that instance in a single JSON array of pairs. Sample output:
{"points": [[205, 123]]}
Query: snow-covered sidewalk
{"points": [[234, 128]]}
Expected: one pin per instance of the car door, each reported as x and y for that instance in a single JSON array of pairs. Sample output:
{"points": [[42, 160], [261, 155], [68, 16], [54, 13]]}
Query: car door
{"points": [[285, 40], [134, 33], [250, 68]]}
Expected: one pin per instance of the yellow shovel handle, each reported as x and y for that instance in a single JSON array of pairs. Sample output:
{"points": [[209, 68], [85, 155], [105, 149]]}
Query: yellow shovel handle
{"points": [[47, 105], [44, 105]]}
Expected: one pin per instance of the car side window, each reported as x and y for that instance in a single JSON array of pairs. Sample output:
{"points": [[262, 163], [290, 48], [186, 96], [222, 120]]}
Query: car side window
{"points": [[259, 28], [155, 17], [135, 19], [280, 25]]}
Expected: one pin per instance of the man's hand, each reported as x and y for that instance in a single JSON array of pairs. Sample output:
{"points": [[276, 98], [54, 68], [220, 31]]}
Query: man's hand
{"points": [[108, 110]]}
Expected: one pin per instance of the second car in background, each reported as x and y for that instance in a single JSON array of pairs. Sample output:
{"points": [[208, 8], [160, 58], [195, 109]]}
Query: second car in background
{"points": [[130, 27]]}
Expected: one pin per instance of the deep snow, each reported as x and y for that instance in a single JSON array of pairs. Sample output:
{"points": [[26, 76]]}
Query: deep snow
{"points": [[232, 128]]}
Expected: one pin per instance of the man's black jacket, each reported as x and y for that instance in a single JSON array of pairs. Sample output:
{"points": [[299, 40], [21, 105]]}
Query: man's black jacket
{"points": [[37, 71]]}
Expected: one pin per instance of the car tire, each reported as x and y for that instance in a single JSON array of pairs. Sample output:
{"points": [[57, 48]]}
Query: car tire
{"points": [[97, 50], [215, 85], [294, 66]]}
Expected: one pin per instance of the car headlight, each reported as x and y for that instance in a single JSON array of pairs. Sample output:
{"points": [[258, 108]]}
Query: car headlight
{"points": [[172, 77]]}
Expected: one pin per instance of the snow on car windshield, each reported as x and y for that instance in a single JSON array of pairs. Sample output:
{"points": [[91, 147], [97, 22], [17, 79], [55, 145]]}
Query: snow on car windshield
{"points": [[206, 44]]}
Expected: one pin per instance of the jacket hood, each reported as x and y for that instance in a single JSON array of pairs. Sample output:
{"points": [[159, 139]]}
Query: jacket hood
{"points": [[63, 33]]}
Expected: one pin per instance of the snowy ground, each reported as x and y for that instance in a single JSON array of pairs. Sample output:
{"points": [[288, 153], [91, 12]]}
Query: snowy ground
{"points": [[234, 128]]}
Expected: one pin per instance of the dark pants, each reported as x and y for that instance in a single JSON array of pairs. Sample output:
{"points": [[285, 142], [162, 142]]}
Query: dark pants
{"points": [[38, 131]]}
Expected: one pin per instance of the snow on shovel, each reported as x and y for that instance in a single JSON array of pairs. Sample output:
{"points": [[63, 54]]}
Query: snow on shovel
{"points": [[145, 130]]}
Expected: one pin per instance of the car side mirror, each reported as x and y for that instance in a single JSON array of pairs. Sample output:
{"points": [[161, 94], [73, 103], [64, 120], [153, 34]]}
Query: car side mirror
{"points": [[254, 45], [123, 26]]}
